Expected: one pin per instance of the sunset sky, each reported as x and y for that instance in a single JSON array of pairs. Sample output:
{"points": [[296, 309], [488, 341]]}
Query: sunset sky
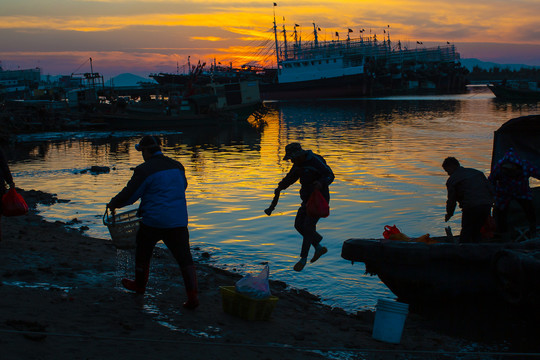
{"points": [[143, 37]]}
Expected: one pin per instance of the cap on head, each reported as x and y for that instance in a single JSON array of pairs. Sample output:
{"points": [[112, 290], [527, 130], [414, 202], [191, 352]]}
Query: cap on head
{"points": [[293, 150], [451, 162], [149, 142]]}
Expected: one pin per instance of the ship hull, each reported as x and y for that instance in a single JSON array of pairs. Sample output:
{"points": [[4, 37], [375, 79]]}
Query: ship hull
{"points": [[123, 121], [507, 93], [341, 87]]}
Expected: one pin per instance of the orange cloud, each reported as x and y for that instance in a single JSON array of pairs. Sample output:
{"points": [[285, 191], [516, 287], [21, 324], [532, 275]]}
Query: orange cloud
{"points": [[207, 38]]}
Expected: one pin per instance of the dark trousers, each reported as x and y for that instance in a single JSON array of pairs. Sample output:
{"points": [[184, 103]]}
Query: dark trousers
{"points": [[472, 220], [176, 240], [501, 216], [307, 227], [2, 192]]}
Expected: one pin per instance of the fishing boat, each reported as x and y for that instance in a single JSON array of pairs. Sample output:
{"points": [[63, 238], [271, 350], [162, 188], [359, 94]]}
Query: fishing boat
{"points": [[363, 66], [447, 272], [201, 74], [424, 275], [207, 105], [516, 90]]}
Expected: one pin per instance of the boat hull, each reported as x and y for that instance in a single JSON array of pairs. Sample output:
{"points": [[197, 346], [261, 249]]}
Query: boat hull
{"points": [[507, 93], [341, 87], [427, 275], [122, 121]]}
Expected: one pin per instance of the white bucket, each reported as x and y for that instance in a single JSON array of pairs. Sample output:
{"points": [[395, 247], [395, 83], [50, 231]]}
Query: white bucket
{"points": [[389, 320]]}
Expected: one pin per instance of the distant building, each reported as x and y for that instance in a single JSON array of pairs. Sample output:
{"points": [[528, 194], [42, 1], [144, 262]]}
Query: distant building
{"points": [[18, 83]]}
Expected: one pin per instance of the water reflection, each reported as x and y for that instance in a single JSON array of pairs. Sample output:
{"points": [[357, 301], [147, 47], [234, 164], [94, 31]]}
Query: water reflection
{"points": [[386, 155]]}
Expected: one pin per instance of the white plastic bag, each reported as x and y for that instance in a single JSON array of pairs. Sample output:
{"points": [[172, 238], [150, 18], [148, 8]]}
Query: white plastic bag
{"points": [[256, 287]]}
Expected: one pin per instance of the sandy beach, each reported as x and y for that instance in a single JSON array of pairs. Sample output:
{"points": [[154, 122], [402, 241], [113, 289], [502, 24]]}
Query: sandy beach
{"points": [[61, 298]]}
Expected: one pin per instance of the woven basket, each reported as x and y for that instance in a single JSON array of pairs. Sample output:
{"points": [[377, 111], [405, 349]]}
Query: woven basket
{"points": [[123, 228]]}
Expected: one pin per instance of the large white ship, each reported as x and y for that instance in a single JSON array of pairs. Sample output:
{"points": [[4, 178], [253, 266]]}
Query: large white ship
{"points": [[359, 67]]}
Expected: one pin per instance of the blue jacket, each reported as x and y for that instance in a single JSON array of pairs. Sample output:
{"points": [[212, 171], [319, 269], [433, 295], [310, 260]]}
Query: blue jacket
{"points": [[313, 169], [160, 182]]}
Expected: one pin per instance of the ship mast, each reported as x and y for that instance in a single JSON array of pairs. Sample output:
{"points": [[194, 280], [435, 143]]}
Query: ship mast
{"points": [[315, 34], [285, 55], [388, 33], [295, 41], [275, 36]]}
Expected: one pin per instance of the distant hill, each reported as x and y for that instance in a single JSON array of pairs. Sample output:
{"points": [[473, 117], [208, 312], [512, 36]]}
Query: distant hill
{"points": [[127, 79], [485, 65]]}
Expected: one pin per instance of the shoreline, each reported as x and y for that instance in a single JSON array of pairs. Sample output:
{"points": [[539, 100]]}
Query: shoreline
{"points": [[61, 288]]}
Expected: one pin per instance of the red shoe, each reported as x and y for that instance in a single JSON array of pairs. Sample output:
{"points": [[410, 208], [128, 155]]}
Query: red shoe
{"points": [[190, 282], [132, 285], [193, 300], [191, 304]]}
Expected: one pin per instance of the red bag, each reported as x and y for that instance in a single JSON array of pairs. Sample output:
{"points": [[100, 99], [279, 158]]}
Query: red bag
{"points": [[317, 206], [13, 204], [390, 230], [488, 229]]}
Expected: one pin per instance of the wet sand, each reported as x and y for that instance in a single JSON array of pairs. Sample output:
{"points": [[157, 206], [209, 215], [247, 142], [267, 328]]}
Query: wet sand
{"points": [[61, 298]]}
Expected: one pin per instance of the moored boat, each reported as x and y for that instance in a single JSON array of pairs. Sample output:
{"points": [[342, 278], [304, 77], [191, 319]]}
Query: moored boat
{"points": [[425, 275], [516, 90], [517, 274], [212, 104], [360, 67], [430, 275], [201, 74]]}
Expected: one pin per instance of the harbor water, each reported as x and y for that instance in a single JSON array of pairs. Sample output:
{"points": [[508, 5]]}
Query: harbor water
{"points": [[386, 154]]}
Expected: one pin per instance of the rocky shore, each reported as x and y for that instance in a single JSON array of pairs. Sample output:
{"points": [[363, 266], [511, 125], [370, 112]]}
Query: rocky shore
{"points": [[61, 298]]}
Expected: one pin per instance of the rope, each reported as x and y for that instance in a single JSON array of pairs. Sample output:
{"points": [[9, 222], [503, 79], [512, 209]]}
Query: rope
{"points": [[81, 65], [273, 346]]}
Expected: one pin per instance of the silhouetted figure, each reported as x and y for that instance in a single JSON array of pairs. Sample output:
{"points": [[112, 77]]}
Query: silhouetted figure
{"points": [[5, 178], [313, 172], [471, 190], [510, 176], [160, 182]]}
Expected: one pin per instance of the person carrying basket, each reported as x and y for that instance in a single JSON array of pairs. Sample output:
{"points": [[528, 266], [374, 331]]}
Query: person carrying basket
{"points": [[160, 182]]}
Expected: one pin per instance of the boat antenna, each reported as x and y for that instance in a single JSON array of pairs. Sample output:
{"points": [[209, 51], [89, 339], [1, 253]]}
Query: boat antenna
{"points": [[275, 35], [315, 34], [285, 55], [295, 40]]}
